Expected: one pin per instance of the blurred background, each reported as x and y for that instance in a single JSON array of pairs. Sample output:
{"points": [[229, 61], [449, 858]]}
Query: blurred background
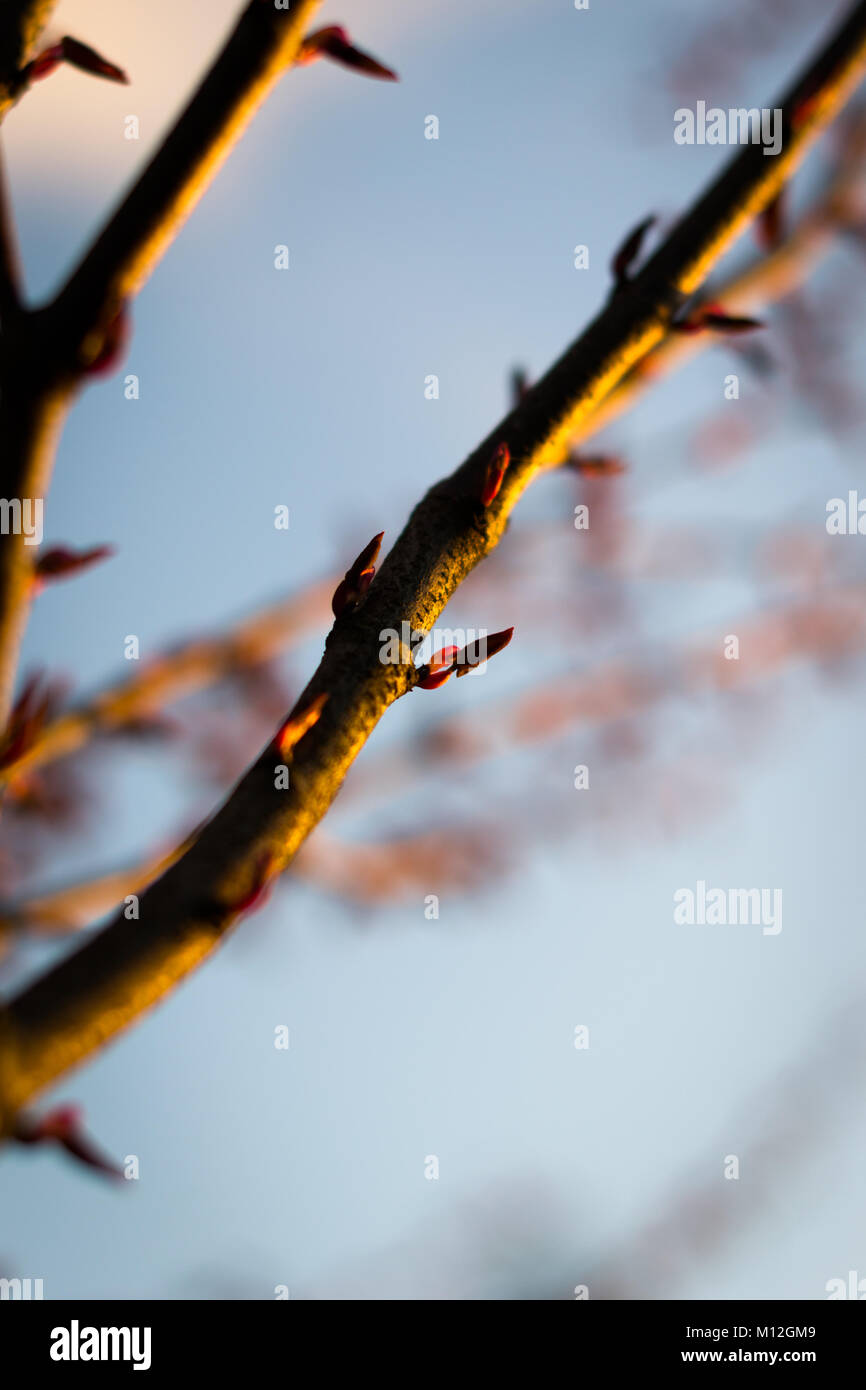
{"points": [[453, 1037]]}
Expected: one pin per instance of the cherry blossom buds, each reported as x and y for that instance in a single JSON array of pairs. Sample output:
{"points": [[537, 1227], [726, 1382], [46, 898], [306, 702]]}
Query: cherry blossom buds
{"points": [[452, 661], [63, 1126], [494, 473], [297, 725], [628, 252], [114, 342], [60, 563], [713, 317], [334, 43], [358, 578], [79, 55]]}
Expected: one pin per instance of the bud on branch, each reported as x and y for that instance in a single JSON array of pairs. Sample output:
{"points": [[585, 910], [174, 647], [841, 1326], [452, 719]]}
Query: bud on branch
{"points": [[628, 252], [334, 43], [63, 1126], [451, 660], [358, 578], [494, 473], [79, 55], [60, 563]]}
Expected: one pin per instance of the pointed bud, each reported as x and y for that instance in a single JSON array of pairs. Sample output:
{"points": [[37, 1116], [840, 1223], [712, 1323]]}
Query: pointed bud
{"points": [[494, 473], [293, 730], [88, 60], [358, 578], [451, 660], [440, 669], [79, 55], [60, 563], [482, 650], [629, 251], [63, 1126], [720, 322], [334, 43], [712, 317]]}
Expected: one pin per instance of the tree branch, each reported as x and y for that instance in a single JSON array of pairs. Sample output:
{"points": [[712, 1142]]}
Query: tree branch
{"points": [[263, 45], [196, 665], [42, 361], [123, 971], [21, 22]]}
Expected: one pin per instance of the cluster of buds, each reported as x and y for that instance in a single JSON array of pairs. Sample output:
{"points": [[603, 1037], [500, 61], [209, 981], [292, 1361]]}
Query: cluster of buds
{"points": [[357, 579], [334, 43], [63, 1126], [452, 661]]}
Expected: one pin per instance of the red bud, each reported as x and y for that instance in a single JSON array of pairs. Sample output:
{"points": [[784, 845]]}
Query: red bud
{"points": [[482, 650], [63, 1126], [59, 563], [440, 669], [358, 578], [334, 43], [451, 660], [494, 473], [79, 55]]}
